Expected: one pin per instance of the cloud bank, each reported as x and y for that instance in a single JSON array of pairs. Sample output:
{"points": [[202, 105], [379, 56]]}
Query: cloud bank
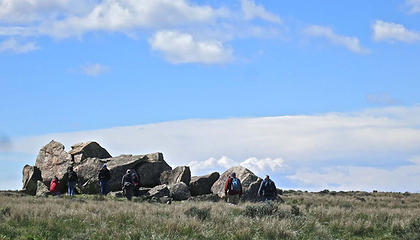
{"points": [[347, 151]]}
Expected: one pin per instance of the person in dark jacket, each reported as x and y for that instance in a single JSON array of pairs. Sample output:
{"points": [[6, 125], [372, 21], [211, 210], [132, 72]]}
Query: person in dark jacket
{"points": [[136, 183], [71, 180], [127, 185], [104, 176], [233, 189], [55, 186], [267, 190]]}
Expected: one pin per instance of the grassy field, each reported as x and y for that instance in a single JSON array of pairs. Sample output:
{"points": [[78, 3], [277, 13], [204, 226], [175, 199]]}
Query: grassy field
{"points": [[354, 215]]}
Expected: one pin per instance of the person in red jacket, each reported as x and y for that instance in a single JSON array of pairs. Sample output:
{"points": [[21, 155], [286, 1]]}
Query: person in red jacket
{"points": [[233, 189], [55, 186]]}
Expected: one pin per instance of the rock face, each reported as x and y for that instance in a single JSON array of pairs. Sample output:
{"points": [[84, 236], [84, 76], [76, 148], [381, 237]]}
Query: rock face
{"points": [[52, 161], [81, 151], [247, 178], [159, 191], [200, 185], [31, 175], [179, 174], [41, 189], [179, 191]]}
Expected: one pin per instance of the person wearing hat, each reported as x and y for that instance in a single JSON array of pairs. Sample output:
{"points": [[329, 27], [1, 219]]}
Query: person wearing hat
{"points": [[104, 176], [233, 189], [127, 185]]}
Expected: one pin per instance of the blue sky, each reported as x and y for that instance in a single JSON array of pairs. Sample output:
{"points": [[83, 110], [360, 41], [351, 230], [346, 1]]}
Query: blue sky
{"points": [[76, 66]]}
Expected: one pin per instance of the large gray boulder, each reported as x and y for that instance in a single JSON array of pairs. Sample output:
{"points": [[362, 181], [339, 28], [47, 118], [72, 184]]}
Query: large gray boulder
{"points": [[52, 160], [179, 191], [81, 151], [247, 178], [200, 185], [148, 168], [159, 191], [42, 189], [177, 175], [31, 175]]}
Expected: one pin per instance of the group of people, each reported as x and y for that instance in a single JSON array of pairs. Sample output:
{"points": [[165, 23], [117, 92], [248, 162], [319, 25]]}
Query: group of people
{"points": [[233, 189], [131, 183]]}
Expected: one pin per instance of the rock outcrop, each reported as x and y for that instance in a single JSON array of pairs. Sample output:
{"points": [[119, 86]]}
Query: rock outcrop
{"points": [[81, 151], [31, 175], [87, 159], [200, 185], [179, 191], [177, 175], [247, 178]]}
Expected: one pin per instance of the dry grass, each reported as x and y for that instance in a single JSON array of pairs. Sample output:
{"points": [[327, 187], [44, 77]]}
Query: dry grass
{"points": [[302, 216]]}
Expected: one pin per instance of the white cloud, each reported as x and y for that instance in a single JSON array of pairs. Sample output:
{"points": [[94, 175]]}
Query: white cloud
{"points": [[351, 43], [126, 15], [392, 32], [414, 5], [12, 45], [252, 10], [402, 178], [380, 140], [94, 69], [24, 11], [258, 166], [184, 48]]}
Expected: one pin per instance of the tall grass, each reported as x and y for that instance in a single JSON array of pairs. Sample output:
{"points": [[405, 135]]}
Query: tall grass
{"points": [[302, 216]]}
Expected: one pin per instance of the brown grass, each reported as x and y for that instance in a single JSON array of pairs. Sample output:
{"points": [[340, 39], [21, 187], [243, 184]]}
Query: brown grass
{"points": [[302, 216]]}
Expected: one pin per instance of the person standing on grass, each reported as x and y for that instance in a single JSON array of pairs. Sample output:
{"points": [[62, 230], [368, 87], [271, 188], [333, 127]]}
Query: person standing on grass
{"points": [[127, 185], [55, 186], [233, 189], [104, 176], [267, 190], [136, 183], [71, 180]]}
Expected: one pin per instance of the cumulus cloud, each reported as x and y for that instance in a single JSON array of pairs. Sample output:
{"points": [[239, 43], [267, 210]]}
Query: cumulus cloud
{"points": [[298, 148], [13, 46], [351, 43], [94, 69], [258, 166], [393, 32], [252, 10], [184, 48], [414, 5], [121, 15]]}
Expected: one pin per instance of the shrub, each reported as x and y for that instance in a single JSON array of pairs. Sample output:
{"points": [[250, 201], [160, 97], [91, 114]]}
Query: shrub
{"points": [[260, 210], [295, 210], [200, 213]]}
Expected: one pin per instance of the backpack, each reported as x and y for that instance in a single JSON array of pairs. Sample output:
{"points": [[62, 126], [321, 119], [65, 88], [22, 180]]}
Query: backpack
{"points": [[269, 186], [236, 185]]}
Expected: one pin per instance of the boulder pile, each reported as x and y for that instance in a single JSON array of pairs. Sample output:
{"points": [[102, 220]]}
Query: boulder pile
{"points": [[158, 181]]}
